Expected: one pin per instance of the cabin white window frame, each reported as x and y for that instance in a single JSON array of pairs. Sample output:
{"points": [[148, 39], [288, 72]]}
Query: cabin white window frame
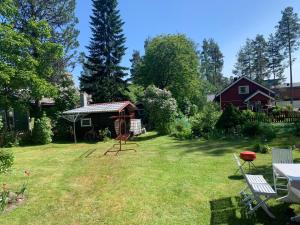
{"points": [[246, 90], [83, 120]]}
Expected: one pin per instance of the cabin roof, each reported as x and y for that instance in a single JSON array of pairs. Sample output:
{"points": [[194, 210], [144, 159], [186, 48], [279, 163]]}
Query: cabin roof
{"points": [[246, 78], [101, 108]]}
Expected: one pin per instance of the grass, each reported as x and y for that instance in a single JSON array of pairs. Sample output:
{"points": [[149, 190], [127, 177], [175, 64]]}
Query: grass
{"points": [[165, 182]]}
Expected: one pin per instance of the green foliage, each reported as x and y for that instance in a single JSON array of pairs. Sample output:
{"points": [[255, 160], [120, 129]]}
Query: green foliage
{"points": [[182, 128], [275, 59], [103, 76], [252, 60], [27, 61], [296, 129], [262, 148], [161, 108], [171, 62], [230, 119], [104, 135], [62, 130], [42, 131], [204, 122], [10, 139], [6, 160], [247, 115], [135, 93], [265, 131], [212, 61]]}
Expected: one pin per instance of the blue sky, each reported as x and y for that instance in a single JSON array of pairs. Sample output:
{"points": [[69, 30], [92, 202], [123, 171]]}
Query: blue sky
{"points": [[229, 22]]}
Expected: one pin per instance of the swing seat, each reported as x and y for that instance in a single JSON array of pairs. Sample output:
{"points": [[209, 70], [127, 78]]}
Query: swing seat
{"points": [[123, 137]]}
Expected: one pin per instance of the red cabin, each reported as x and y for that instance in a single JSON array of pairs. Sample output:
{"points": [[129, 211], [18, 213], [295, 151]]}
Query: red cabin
{"points": [[245, 93]]}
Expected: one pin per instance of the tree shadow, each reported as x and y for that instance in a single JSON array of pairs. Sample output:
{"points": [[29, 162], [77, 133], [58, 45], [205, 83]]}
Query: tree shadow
{"points": [[231, 211], [212, 147], [145, 137]]}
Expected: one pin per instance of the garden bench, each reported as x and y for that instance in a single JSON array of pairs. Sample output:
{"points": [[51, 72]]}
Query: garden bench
{"points": [[257, 190]]}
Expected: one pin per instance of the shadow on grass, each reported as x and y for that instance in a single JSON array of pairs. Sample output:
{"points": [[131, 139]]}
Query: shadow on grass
{"points": [[230, 211], [87, 153], [213, 147], [145, 137]]}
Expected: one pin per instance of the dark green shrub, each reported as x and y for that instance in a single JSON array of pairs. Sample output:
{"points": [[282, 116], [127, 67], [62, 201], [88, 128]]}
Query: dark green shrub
{"points": [[63, 130], [257, 129], [6, 160], [10, 139], [182, 128], [104, 135], [42, 131], [251, 129], [267, 131], [230, 119], [296, 129]]}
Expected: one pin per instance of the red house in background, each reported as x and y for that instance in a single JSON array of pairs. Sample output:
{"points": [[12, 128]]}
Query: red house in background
{"points": [[245, 93]]}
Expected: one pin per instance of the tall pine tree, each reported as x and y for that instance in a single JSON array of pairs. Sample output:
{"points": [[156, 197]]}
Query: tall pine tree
{"points": [[288, 34], [103, 75], [212, 61], [244, 64], [260, 60], [276, 65]]}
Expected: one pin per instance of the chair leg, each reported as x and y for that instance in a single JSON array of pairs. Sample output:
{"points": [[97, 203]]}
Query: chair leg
{"points": [[264, 206]]}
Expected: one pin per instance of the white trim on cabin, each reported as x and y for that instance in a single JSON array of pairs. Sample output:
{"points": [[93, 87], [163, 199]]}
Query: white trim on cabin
{"points": [[88, 124], [256, 93]]}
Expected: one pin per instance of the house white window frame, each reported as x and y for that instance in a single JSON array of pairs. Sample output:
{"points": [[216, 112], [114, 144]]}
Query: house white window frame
{"points": [[247, 90], [86, 119]]}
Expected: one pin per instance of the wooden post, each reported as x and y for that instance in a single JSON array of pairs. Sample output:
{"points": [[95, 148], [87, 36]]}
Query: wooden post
{"points": [[74, 131]]}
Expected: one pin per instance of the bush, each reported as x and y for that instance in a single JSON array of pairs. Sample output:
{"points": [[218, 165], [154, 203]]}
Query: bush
{"points": [[182, 128], [203, 123], [230, 119], [10, 139], [6, 160], [296, 129], [161, 109], [251, 129], [104, 135], [247, 115], [42, 131], [262, 148], [63, 130], [257, 129]]}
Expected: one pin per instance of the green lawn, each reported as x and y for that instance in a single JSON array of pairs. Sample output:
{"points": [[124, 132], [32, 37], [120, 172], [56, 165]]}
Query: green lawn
{"points": [[166, 182]]}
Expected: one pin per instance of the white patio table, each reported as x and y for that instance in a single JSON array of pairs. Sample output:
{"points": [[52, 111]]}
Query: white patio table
{"points": [[292, 173]]}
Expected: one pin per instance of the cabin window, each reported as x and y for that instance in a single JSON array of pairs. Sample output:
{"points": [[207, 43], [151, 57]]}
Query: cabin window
{"points": [[243, 90], [86, 122]]}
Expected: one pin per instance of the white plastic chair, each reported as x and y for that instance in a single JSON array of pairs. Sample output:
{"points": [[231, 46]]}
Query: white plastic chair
{"points": [[257, 187], [281, 156]]}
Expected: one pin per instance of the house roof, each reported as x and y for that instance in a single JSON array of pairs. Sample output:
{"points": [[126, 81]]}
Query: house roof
{"points": [[256, 93], [101, 108], [243, 77]]}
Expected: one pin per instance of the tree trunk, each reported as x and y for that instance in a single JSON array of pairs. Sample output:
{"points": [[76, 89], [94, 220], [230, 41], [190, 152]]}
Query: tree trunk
{"points": [[291, 73]]}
